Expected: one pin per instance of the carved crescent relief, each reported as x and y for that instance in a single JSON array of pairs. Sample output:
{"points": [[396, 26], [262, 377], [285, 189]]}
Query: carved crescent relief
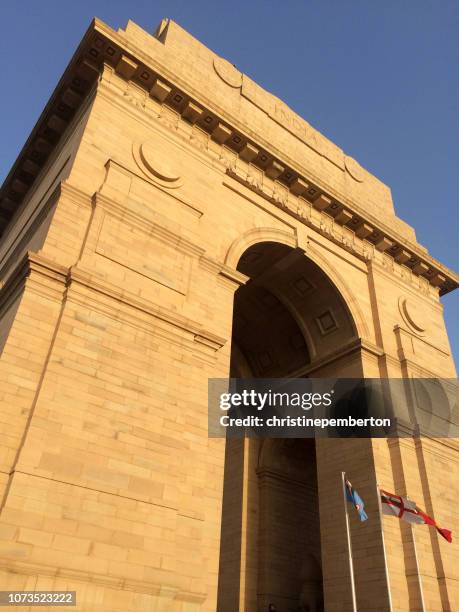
{"points": [[227, 72], [354, 169], [412, 316], [158, 160]]}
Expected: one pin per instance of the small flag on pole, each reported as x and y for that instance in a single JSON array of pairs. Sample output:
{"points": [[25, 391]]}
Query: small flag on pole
{"points": [[354, 498], [345, 484], [406, 510]]}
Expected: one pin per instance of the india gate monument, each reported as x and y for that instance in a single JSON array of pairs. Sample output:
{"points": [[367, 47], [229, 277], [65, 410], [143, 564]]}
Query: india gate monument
{"points": [[167, 222]]}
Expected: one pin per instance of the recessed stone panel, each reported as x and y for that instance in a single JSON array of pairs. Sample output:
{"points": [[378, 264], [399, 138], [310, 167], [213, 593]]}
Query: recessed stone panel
{"points": [[143, 254]]}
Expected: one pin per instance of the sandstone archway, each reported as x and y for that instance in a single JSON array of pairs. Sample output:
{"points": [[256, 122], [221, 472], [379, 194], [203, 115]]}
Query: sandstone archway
{"points": [[289, 320]]}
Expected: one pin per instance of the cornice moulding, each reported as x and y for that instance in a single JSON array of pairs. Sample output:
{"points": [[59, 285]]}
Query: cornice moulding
{"points": [[87, 280], [33, 266]]}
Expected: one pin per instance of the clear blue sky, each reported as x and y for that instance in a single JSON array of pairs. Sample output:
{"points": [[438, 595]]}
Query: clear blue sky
{"points": [[380, 79]]}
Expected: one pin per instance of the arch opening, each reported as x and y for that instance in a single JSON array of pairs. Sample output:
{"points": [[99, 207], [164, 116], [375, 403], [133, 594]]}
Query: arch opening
{"points": [[288, 317]]}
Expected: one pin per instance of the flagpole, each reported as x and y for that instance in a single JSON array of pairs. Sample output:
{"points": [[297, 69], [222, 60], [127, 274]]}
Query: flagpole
{"points": [[421, 591], [349, 547], [384, 546]]}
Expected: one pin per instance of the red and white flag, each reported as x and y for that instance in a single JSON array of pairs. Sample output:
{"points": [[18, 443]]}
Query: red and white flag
{"points": [[406, 510]]}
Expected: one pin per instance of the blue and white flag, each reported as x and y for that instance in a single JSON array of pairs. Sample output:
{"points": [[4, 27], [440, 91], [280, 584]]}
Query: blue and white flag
{"points": [[354, 498]]}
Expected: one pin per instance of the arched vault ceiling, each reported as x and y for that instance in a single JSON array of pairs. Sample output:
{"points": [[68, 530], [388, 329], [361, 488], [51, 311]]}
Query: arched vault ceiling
{"points": [[289, 313]]}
